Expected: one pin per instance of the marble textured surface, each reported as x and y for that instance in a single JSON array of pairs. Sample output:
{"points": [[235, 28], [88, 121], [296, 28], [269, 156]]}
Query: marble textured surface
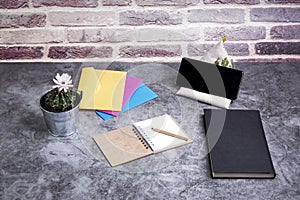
{"points": [[35, 165]]}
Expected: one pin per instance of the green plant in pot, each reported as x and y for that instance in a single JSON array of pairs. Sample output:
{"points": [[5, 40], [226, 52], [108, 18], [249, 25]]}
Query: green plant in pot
{"points": [[60, 106]]}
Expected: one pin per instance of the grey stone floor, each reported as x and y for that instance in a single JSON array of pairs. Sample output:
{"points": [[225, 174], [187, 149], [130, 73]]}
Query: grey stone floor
{"points": [[34, 165]]}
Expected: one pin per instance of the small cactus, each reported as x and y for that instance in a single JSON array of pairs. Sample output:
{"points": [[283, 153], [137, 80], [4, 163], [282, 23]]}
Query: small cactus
{"points": [[61, 98], [60, 101]]}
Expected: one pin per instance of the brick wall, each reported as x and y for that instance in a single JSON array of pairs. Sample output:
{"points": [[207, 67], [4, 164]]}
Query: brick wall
{"points": [[147, 30]]}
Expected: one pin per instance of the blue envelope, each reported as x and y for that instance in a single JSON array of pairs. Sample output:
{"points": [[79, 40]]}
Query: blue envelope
{"points": [[142, 94]]}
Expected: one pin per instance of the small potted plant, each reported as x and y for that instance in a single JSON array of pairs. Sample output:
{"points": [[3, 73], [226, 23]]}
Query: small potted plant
{"points": [[60, 106]]}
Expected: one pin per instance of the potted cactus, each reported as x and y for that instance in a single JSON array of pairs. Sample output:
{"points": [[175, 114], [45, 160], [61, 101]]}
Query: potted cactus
{"points": [[60, 106]]}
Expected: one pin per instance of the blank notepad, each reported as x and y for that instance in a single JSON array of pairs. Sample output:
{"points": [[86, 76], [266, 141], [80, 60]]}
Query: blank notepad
{"points": [[102, 89], [88, 85], [157, 141], [138, 140], [111, 89]]}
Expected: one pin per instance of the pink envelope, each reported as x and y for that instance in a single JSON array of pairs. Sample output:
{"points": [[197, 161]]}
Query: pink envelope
{"points": [[131, 85]]}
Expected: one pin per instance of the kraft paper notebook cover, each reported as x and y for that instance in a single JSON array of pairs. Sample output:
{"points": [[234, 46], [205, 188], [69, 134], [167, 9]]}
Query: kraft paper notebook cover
{"points": [[239, 149], [139, 140], [131, 84], [102, 89], [140, 96]]}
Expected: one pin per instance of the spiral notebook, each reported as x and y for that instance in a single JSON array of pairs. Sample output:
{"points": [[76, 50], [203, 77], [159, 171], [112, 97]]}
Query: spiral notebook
{"points": [[139, 140]]}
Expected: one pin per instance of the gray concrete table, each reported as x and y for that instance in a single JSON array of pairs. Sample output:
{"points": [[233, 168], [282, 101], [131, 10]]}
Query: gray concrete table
{"points": [[35, 165]]}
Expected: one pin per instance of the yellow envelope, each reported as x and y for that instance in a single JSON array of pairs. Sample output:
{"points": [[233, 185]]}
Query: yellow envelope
{"points": [[102, 89]]}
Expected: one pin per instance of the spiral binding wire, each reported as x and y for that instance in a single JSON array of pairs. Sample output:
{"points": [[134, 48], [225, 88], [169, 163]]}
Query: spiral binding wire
{"points": [[143, 140]]}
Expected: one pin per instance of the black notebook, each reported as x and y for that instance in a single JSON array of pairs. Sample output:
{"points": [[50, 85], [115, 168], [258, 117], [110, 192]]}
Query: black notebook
{"points": [[237, 144], [209, 78]]}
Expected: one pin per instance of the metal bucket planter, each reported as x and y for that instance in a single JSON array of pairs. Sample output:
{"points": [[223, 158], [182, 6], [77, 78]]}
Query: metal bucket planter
{"points": [[62, 123]]}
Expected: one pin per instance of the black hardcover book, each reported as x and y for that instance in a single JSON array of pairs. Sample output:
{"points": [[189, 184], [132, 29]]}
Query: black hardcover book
{"points": [[209, 78], [237, 144]]}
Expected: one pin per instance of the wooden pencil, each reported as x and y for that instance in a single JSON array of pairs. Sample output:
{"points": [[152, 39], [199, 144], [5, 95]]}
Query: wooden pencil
{"points": [[170, 134]]}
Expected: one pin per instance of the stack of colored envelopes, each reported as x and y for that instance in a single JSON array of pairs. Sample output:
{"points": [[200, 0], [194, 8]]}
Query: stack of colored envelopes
{"points": [[111, 92]]}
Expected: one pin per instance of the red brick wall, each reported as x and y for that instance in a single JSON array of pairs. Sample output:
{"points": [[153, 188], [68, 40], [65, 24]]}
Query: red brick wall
{"points": [[147, 30]]}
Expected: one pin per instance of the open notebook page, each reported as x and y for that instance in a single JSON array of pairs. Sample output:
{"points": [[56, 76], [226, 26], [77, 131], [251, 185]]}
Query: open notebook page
{"points": [[158, 141]]}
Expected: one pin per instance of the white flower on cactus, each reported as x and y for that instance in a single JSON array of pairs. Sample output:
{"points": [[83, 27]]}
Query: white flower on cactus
{"points": [[63, 82]]}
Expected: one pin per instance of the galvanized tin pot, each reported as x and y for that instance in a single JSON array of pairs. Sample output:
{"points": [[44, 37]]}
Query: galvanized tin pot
{"points": [[62, 124]]}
